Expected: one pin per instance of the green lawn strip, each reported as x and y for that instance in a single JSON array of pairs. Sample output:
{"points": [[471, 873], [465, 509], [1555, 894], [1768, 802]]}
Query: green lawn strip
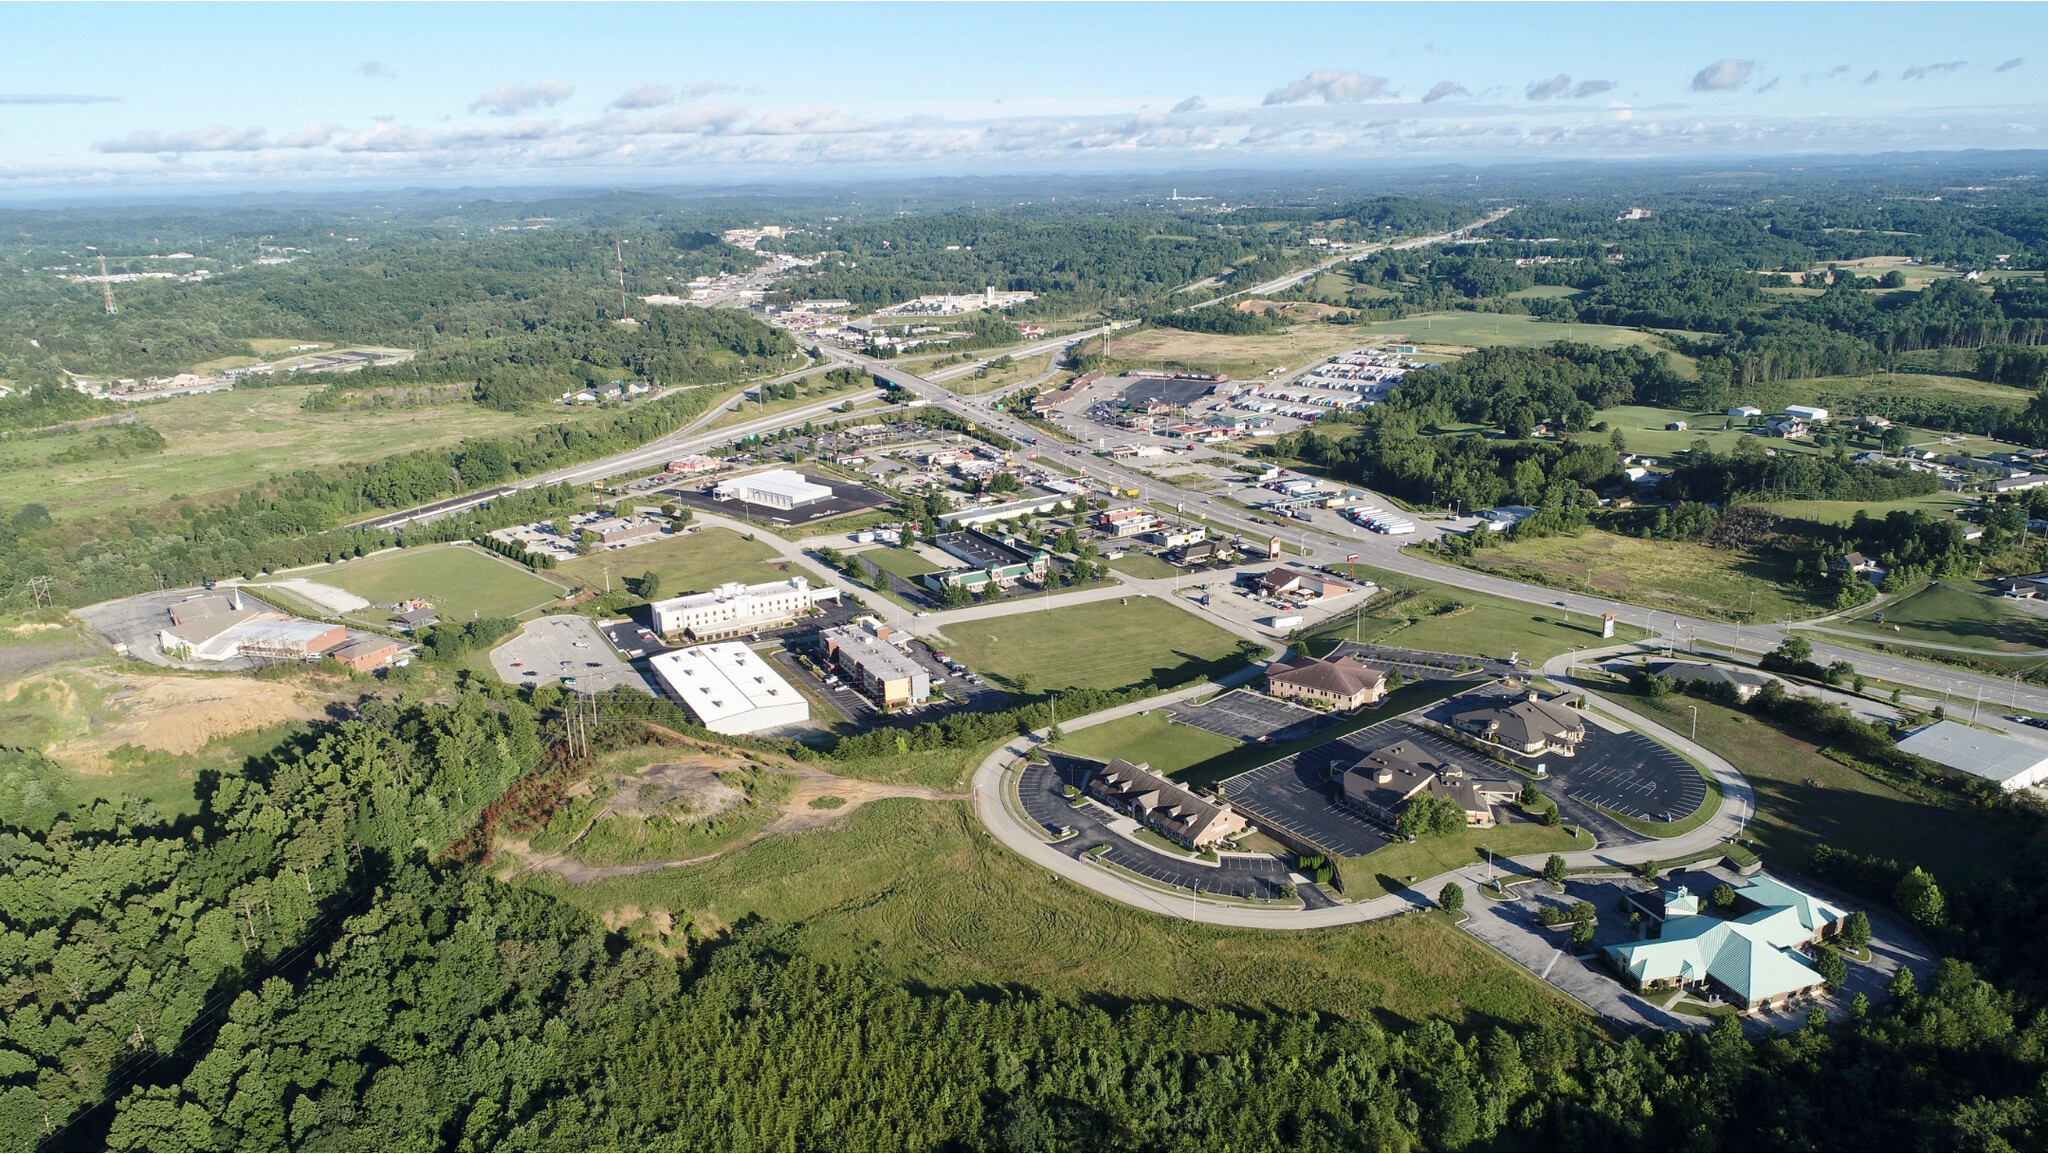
{"points": [[1151, 737], [693, 562], [459, 580], [1160, 843], [1701, 1010], [1243, 757], [1805, 799], [850, 523], [920, 890], [1388, 869], [809, 391], [1951, 613], [2033, 669], [1416, 614], [1102, 644]]}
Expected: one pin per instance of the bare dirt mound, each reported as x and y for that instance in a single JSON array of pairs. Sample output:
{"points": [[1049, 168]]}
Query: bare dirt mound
{"points": [[697, 783]]}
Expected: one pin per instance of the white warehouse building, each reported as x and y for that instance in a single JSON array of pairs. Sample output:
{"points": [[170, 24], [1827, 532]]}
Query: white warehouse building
{"points": [[729, 689], [2012, 763], [775, 489], [734, 608]]}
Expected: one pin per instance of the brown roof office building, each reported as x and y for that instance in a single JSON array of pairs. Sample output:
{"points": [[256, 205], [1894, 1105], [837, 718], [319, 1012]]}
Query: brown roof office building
{"points": [[1339, 682], [1172, 809]]}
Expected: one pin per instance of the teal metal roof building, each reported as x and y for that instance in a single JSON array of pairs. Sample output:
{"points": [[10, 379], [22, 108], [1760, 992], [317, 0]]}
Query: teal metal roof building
{"points": [[1753, 958]]}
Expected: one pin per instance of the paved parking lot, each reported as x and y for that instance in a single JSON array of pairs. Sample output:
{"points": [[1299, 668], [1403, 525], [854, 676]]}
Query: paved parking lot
{"points": [[1252, 717], [561, 648], [1296, 794], [1042, 790], [848, 701], [1631, 775], [1420, 664], [634, 641]]}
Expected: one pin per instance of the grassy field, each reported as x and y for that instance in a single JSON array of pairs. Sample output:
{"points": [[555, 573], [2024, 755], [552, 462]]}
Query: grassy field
{"points": [[975, 384], [1150, 737], [1416, 614], [1643, 427], [1142, 565], [1804, 800], [1942, 504], [1955, 613], [1241, 357], [1389, 870], [902, 562], [691, 563], [1480, 330], [919, 891], [1667, 576], [1101, 645], [217, 443], [459, 580]]}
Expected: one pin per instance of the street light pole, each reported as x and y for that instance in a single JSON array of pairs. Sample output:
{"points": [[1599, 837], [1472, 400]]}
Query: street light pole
{"points": [[1695, 721]]}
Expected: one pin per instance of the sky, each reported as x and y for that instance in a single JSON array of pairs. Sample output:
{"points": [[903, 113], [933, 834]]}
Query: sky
{"points": [[137, 98]]}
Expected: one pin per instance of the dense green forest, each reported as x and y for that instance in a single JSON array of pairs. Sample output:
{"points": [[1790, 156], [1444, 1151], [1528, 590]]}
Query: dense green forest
{"points": [[315, 960]]}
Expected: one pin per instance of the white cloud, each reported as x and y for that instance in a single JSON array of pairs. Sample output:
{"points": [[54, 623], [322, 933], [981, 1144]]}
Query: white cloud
{"points": [[805, 119], [311, 136], [1874, 77], [212, 138], [1767, 85], [1920, 71], [1585, 88], [689, 119], [2009, 65], [1724, 75], [1444, 90], [1332, 86], [1557, 85], [709, 88], [373, 70], [79, 98], [1191, 104], [644, 96], [513, 99]]}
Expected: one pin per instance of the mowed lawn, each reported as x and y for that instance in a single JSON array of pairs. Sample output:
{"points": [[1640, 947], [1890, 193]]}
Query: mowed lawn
{"points": [[458, 580], [1388, 870], [1805, 800], [1666, 576], [903, 563], [690, 563], [1101, 645], [921, 891], [1150, 738], [1142, 565], [1416, 614], [1955, 613], [1480, 330]]}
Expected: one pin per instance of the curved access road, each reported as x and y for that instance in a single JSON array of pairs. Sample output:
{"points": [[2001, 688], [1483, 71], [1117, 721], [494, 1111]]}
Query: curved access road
{"points": [[1001, 820]]}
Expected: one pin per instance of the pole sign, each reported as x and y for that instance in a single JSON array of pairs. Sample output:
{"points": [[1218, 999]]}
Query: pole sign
{"points": [[1273, 547], [1607, 625], [1352, 559]]}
